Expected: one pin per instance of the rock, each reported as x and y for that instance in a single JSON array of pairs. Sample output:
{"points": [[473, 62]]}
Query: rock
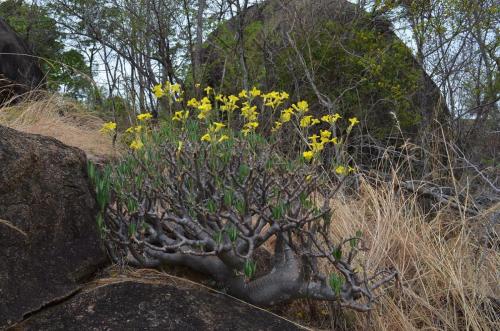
{"points": [[133, 305], [19, 70], [49, 242], [356, 59]]}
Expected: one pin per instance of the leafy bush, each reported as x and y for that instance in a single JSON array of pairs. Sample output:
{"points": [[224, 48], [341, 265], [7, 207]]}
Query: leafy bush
{"points": [[217, 197]]}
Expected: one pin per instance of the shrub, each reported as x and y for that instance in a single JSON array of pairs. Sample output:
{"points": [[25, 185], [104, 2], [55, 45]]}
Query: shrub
{"points": [[201, 192]]}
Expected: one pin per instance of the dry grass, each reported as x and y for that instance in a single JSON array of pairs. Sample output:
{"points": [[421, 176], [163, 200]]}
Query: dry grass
{"points": [[447, 279], [55, 116]]}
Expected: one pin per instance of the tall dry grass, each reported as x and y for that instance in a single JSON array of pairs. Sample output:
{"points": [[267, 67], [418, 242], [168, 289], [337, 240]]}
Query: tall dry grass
{"points": [[447, 279], [62, 118]]}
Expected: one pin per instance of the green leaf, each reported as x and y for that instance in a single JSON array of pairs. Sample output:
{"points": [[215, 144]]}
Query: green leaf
{"points": [[233, 233], [243, 172], [250, 268], [336, 283], [132, 205], [132, 229], [228, 198], [337, 253], [278, 211], [211, 206], [218, 237], [91, 171], [240, 206]]}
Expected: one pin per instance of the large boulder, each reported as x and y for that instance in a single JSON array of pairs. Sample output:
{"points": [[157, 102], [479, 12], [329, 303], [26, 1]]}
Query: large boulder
{"points": [[133, 305], [354, 58], [49, 241], [19, 69]]}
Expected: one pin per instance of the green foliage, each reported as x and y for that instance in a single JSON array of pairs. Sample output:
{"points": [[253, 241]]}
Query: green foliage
{"points": [[250, 268], [373, 72], [65, 68], [336, 283]]}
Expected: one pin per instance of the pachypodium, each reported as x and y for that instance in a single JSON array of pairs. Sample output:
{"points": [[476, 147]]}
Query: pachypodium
{"points": [[199, 191]]}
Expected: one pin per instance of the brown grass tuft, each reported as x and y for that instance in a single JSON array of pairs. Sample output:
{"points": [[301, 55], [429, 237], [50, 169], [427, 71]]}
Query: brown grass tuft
{"points": [[447, 279], [55, 116]]}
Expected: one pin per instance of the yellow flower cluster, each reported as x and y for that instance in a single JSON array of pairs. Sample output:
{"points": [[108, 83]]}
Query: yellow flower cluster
{"points": [[227, 103], [171, 90], [248, 111], [318, 143], [213, 133], [274, 99], [204, 106], [181, 116], [144, 117], [108, 127], [344, 171]]}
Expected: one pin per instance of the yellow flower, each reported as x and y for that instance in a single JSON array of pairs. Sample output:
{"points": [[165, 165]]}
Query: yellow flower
{"points": [[351, 169], [144, 117], [136, 144], [223, 138], [308, 155], [314, 138], [175, 88], [208, 89], [286, 115], [308, 178], [316, 146], [138, 128], [249, 112], [158, 91], [197, 85], [180, 115], [331, 119], [252, 125], [334, 141], [277, 126], [325, 136], [353, 121], [108, 127], [205, 107], [206, 137], [219, 97], [284, 95], [193, 103], [217, 127], [180, 145], [301, 106], [305, 121], [243, 94], [249, 127], [274, 99], [255, 92], [315, 121], [341, 170], [130, 130], [229, 103], [206, 101]]}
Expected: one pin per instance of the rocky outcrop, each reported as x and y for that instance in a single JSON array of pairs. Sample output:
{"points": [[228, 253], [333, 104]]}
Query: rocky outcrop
{"points": [[19, 69], [49, 243], [132, 305], [354, 58]]}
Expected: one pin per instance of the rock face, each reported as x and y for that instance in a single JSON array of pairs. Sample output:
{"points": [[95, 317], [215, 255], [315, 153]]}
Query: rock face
{"points": [[355, 59], [19, 70], [49, 242], [133, 305]]}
